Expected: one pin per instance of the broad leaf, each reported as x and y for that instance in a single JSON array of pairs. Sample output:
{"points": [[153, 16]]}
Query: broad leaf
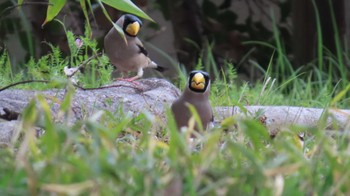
{"points": [[20, 2], [120, 31], [83, 6], [127, 6], [340, 95], [196, 116], [53, 9]]}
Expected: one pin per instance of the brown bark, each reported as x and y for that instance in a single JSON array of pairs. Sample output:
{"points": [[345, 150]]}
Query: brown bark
{"points": [[347, 23], [304, 23], [328, 30], [304, 30]]}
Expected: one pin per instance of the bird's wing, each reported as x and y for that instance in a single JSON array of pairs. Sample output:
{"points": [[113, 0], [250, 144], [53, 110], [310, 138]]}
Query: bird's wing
{"points": [[142, 49]]}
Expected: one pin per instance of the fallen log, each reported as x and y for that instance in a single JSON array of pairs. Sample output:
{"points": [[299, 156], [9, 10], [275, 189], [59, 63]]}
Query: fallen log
{"points": [[276, 117], [155, 95]]}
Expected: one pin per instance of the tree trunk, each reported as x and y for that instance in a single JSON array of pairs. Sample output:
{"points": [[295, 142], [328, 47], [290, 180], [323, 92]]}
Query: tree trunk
{"points": [[328, 30], [187, 28], [304, 23], [304, 31], [347, 23]]}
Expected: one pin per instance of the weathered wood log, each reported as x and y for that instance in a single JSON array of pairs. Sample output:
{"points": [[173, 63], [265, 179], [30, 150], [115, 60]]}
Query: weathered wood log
{"points": [[146, 94], [282, 116], [154, 95]]}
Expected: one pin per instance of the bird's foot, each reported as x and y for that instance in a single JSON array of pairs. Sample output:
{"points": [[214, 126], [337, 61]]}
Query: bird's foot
{"points": [[131, 80]]}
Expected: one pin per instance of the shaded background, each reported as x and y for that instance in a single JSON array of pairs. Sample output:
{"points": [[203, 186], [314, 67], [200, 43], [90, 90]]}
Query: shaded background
{"points": [[189, 30]]}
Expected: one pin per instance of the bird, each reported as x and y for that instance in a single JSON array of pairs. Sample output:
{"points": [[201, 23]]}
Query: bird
{"points": [[130, 54], [196, 92]]}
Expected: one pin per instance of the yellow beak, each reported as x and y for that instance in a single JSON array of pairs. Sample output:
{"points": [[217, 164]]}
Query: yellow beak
{"points": [[133, 28], [198, 81]]}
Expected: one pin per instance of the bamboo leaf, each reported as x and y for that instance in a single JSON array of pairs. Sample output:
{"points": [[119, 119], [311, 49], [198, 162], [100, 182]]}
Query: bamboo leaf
{"points": [[196, 116], [127, 6], [340, 95], [83, 6], [53, 9], [120, 31]]}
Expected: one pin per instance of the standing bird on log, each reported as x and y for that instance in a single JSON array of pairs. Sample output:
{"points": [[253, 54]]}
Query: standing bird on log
{"points": [[196, 93], [130, 55]]}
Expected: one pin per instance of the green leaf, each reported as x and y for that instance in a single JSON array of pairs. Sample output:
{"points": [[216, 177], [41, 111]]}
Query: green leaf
{"points": [[53, 9], [120, 31], [66, 103], [196, 116], [340, 95], [83, 6], [127, 6], [228, 122], [20, 2], [177, 144], [256, 132], [29, 115]]}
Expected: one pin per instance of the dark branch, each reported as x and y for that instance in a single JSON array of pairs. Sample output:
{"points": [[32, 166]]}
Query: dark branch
{"points": [[23, 4], [83, 64], [23, 82], [105, 87]]}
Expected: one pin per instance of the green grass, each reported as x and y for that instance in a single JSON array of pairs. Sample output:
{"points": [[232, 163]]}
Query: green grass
{"points": [[97, 71], [113, 153]]}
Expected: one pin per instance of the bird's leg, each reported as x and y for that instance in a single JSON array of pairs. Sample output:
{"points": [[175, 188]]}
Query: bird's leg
{"points": [[132, 79], [139, 75], [122, 78], [122, 73]]}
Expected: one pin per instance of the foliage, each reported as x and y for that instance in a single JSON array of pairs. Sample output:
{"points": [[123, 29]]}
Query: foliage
{"points": [[53, 9], [28, 24], [228, 24], [55, 6], [116, 153], [97, 71], [6, 73]]}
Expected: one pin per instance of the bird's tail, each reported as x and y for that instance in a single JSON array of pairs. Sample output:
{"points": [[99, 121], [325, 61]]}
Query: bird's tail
{"points": [[152, 64], [160, 68], [156, 67]]}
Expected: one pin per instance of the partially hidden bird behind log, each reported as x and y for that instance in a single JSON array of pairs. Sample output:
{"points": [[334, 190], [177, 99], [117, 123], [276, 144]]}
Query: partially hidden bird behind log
{"points": [[130, 55], [195, 93]]}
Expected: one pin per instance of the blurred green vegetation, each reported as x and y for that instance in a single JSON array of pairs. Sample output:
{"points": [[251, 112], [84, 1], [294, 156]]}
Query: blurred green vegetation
{"points": [[113, 153], [116, 153]]}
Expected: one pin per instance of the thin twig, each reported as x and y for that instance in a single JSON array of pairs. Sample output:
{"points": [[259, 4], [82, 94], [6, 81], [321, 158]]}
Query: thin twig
{"points": [[25, 3], [77, 86], [23, 82], [82, 65], [105, 87]]}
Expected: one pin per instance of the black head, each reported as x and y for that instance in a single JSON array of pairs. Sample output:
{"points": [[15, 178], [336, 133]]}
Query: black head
{"points": [[198, 81], [131, 25]]}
